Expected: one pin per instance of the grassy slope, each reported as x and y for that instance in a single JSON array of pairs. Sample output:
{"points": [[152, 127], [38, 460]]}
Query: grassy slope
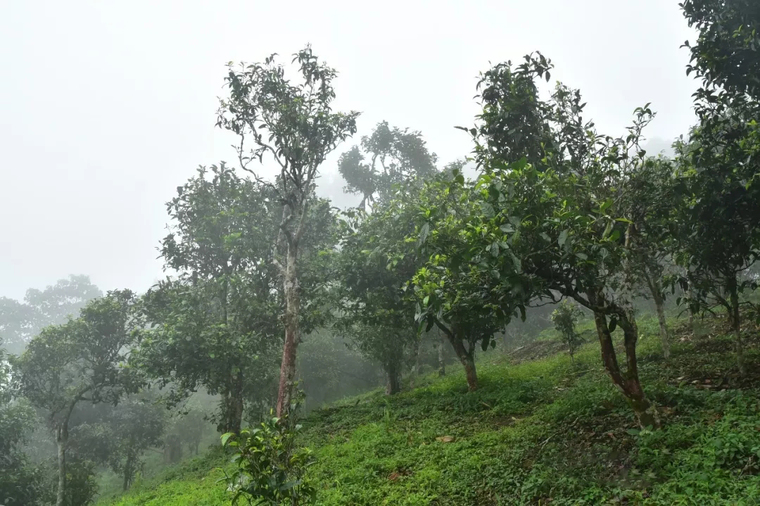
{"points": [[537, 432]]}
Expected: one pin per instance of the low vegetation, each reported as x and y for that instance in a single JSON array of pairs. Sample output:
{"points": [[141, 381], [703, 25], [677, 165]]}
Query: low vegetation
{"points": [[545, 431]]}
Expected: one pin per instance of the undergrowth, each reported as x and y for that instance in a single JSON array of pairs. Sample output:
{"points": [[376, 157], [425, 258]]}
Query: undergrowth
{"points": [[536, 432]]}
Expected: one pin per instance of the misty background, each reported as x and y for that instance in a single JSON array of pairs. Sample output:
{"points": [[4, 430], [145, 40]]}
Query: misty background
{"points": [[107, 107]]}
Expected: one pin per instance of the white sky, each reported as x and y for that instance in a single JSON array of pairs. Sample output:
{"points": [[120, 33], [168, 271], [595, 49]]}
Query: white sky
{"points": [[107, 106]]}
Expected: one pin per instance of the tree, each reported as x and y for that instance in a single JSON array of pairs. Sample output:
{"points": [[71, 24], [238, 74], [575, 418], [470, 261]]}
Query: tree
{"points": [[374, 265], [19, 481], [398, 159], [720, 162], [564, 318], [550, 187], [118, 436], [718, 236], [83, 360], [652, 204], [295, 125], [16, 323], [452, 292], [727, 51], [213, 326], [56, 303]]}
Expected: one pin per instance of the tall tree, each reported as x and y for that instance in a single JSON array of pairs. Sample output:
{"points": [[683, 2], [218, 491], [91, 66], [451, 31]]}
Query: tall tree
{"points": [[294, 124], [83, 360], [392, 160]]}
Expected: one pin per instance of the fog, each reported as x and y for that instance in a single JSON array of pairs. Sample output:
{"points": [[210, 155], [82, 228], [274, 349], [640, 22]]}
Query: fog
{"points": [[107, 107]]}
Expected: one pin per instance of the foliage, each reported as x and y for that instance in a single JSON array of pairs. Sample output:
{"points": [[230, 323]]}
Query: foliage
{"points": [[398, 161], [117, 436], [454, 291], [564, 318], [83, 360], [374, 265], [21, 321], [551, 196], [214, 325], [719, 162], [19, 479], [727, 51], [269, 468]]}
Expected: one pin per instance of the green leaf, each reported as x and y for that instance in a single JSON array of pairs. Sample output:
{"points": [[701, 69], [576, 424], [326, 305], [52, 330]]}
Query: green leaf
{"points": [[226, 437], [563, 238]]}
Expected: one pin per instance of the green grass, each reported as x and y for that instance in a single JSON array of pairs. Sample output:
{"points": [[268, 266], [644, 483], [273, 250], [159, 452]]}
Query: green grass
{"points": [[536, 432]]}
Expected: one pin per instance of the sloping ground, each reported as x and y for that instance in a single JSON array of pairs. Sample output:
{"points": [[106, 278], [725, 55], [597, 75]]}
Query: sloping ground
{"points": [[537, 432]]}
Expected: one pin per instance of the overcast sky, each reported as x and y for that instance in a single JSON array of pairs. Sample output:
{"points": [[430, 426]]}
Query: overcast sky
{"points": [[107, 106]]}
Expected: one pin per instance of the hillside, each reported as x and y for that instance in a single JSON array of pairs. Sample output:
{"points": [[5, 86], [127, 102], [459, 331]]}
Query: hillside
{"points": [[541, 431]]}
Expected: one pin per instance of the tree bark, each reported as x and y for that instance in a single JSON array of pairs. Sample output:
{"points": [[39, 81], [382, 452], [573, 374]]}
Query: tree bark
{"points": [[233, 405], [394, 379], [628, 381], [664, 334], [465, 357], [441, 357], [292, 302], [736, 324], [62, 439]]}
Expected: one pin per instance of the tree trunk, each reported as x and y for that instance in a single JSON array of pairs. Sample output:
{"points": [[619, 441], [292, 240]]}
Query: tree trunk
{"points": [[736, 324], [441, 357], [128, 472], [687, 293], [394, 380], [664, 334], [236, 404], [469, 368], [628, 382], [232, 406], [292, 301], [465, 357], [416, 365], [62, 438]]}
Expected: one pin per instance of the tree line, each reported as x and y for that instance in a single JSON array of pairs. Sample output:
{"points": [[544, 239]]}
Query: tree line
{"points": [[556, 211]]}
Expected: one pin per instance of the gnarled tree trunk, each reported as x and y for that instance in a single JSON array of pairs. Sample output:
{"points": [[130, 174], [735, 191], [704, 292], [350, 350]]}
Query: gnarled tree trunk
{"points": [[628, 381], [467, 358]]}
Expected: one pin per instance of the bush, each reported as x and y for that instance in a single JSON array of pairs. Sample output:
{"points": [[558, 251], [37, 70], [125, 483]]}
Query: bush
{"points": [[269, 468]]}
